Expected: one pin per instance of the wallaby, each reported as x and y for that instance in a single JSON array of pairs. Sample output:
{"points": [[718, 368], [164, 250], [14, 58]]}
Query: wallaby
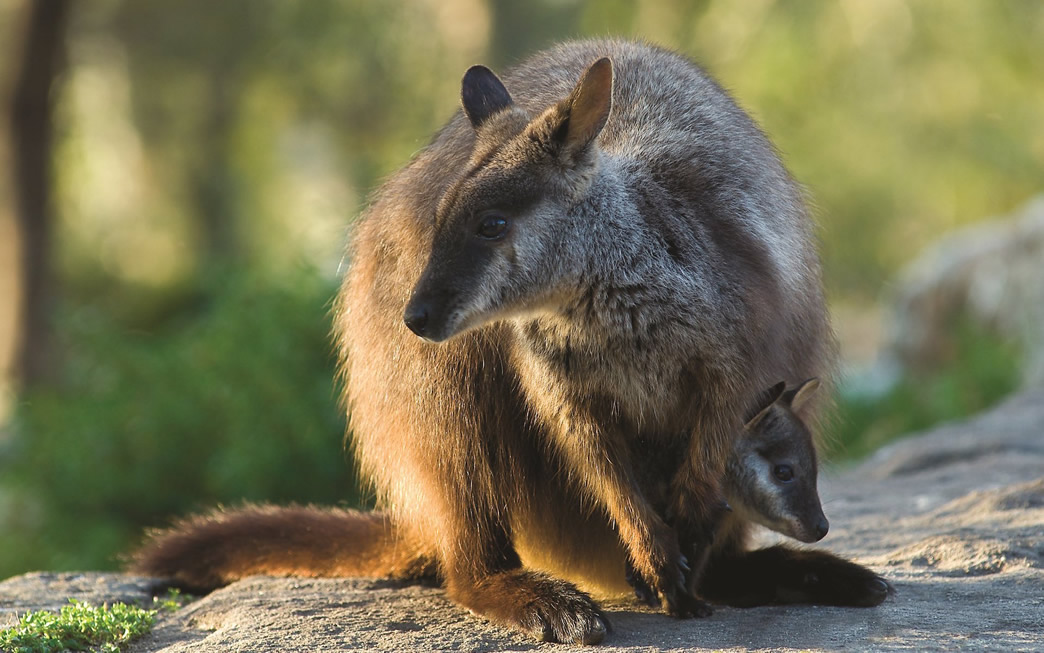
{"points": [[601, 265]]}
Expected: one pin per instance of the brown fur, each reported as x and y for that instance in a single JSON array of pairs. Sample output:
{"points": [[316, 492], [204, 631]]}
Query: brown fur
{"points": [[658, 270], [204, 552]]}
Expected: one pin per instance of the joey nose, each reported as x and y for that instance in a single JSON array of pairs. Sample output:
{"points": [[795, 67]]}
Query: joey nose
{"points": [[822, 526], [416, 318]]}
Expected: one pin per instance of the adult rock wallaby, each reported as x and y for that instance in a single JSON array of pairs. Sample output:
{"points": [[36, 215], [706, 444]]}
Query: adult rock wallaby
{"points": [[599, 251]]}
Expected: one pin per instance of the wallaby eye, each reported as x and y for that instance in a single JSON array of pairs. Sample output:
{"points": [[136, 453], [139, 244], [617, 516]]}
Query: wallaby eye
{"points": [[492, 226], [783, 472]]}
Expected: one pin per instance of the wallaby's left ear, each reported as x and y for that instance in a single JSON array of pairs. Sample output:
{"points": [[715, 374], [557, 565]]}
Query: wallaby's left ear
{"points": [[799, 396], [482, 94]]}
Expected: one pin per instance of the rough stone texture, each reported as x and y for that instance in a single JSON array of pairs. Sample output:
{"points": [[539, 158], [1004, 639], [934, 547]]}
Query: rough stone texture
{"points": [[991, 274], [954, 517]]}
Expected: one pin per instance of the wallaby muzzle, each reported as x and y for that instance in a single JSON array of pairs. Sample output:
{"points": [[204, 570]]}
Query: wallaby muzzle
{"points": [[429, 318]]}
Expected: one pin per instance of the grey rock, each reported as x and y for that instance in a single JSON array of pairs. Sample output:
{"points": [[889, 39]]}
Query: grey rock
{"points": [[990, 274], [954, 517]]}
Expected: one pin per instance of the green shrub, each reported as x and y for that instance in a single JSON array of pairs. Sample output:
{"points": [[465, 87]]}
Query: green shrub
{"points": [[233, 399], [983, 369]]}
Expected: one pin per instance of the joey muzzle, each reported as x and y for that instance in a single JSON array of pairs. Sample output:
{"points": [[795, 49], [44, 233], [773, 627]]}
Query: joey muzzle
{"points": [[821, 528], [813, 529]]}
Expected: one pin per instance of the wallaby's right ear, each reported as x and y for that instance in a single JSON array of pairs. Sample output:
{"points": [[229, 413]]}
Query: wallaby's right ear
{"points": [[589, 105], [764, 402], [569, 127], [482, 94]]}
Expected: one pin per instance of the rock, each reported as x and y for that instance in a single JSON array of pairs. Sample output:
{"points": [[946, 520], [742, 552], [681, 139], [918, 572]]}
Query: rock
{"points": [[953, 517], [990, 274]]}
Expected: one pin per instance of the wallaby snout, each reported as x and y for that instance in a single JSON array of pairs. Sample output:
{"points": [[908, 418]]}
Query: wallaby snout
{"points": [[416, 318], [809, 530], [430, 317]]}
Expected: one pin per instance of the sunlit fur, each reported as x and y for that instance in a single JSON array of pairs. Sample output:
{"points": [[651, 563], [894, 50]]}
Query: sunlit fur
{"points": [[584, 376]]}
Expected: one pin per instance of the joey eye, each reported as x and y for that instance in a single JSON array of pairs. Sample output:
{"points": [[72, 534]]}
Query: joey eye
{"points": [[783, 472], [492, 226]]}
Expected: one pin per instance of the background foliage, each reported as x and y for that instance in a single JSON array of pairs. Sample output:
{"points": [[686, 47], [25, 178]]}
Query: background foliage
{"points": [[210, 155]]}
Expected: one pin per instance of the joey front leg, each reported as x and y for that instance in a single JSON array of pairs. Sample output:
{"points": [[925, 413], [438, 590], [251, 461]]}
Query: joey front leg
{"points": [[697, 515], [697, 507]]}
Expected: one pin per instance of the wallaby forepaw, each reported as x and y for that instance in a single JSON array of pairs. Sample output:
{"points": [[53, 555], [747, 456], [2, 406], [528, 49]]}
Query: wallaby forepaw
{"points": [[550, 623], [559, 612]]}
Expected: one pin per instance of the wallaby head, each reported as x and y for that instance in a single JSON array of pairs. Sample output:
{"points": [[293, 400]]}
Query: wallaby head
{"points": [[498, 243], [772, 473]]}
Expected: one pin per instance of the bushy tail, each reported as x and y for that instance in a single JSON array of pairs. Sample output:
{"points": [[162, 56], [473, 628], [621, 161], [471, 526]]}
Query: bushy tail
{"points": [[208, 551]]}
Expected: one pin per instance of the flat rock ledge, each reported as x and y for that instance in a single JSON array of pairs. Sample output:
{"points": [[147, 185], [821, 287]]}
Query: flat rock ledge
{"points": [[954, 517]]}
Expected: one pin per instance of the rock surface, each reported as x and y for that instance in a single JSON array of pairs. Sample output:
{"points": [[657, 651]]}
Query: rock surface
{"points": [[953, 517]]}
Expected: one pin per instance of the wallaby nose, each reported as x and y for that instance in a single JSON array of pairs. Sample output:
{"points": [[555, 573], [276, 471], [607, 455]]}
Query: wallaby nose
{"points": [[416, 318], [821, 528]]}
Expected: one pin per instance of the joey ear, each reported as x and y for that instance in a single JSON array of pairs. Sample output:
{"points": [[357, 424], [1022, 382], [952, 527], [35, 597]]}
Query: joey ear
{"points": [[799, 396], [764, 402], [753, 422], [583, 114], [482, 94]]}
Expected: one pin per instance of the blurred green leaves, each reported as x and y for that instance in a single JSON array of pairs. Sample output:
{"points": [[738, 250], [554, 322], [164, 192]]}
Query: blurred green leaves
{"points": [[233, 399], [981, 370]]}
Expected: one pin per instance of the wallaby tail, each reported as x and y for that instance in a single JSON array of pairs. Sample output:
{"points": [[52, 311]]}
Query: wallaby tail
{"points": [[204, 552]]}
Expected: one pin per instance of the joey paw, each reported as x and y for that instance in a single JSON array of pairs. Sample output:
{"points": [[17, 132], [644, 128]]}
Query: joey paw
{"points": [[643, 592], [686, 606]]}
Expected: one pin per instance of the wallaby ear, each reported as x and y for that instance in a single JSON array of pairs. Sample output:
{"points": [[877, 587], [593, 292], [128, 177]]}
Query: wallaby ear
{"points": [[764, 402], [482, 94], [799, 396], [586, 110]]}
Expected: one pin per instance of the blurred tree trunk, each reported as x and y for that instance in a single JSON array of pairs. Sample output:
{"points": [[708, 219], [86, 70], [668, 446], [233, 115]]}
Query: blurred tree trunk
{"points": [[215, 182], [40, 60]]}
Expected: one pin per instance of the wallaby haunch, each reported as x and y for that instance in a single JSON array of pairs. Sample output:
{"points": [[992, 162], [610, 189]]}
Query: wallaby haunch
{"points": [[603, 266]]}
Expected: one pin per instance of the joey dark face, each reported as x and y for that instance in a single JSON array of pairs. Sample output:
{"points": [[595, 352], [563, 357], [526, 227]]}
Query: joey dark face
{"points": [[497, 228], [773, 472]]}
